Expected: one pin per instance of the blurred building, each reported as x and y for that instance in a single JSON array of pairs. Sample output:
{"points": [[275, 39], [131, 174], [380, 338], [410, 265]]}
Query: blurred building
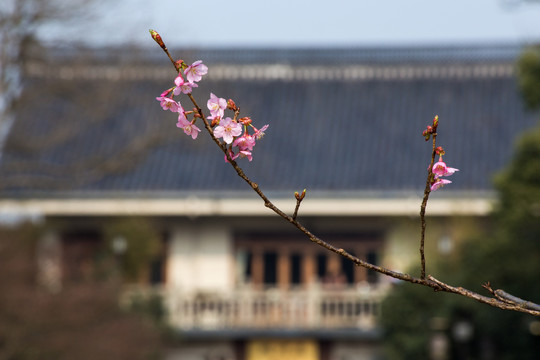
{"points": [[91, 145]]}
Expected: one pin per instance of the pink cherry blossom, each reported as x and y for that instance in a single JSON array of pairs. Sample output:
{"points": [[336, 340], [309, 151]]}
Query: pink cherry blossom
{"points": [[232, 155], [245, 142], [228, 129], [187, 88], [195, 71], [440, 169], [187, 126], [439, 183], [216, 106], [450, 171], [260, 133], [245, 153], [240, 154], [169, 104], [183, 86]]}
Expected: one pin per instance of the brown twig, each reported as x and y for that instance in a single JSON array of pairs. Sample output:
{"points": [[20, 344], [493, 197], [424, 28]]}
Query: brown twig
{"points": [[427, 191], [511, 299], [299, 198], [431, 282]]}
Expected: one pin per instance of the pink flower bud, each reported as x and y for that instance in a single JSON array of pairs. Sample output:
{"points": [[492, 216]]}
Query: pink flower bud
{"points": [[157, 39], [231, 105], [245, 120], [180, 64]]}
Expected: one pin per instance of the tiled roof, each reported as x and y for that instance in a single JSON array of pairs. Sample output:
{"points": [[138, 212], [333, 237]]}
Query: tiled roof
{"points": [[352, 125]]}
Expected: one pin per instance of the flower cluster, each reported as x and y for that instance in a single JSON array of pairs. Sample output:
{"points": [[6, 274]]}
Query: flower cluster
{"points": [[233, 131], [439, 170], [431, 129], [193, 74]]}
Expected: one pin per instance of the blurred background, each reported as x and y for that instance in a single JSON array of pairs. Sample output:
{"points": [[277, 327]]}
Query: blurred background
{"points": [[120, 237]]}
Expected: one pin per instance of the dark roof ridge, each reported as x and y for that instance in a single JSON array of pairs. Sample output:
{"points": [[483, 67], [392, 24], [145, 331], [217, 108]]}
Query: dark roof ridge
{"points": [[278, 71], [363, 54], [299, 55]]}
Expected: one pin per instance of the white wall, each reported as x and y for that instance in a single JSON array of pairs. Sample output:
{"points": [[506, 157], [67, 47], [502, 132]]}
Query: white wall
{"points": [[200, 258]]}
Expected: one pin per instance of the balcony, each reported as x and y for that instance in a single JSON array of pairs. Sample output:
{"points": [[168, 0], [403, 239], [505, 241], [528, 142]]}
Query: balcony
{"points": [[249, 309]]}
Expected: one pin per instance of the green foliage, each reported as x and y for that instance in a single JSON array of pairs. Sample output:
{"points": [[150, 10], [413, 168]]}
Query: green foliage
{"points": [[529, 77], [519, 188], [141, 244], [407, 328], [152, 307]]}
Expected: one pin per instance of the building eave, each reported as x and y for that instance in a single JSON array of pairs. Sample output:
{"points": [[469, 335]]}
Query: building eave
{"points": [[206, 206]]}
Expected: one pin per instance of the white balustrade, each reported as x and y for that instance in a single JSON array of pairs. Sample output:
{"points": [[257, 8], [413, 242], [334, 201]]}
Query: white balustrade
{"points": [[248, 308]]}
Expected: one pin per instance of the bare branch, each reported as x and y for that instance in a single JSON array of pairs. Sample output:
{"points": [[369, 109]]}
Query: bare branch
{"points": [[299, 198]]}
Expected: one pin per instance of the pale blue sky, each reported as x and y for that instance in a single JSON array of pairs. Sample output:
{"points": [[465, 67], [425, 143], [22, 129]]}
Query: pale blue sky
{"points": [[310, 22]]}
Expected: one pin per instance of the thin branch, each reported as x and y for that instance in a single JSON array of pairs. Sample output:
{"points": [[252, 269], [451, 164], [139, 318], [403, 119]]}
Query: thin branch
{"points": [[493, 301], [511, 299], [427, 191], [299, 198]]}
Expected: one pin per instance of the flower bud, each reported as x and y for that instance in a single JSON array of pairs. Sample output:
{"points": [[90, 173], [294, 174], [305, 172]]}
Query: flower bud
{"points": [[157, 39], [300, 196], [245, 120], [429, 129], [231, 105], [215, 121], [435, 122], [166, 92], [180, 64]]}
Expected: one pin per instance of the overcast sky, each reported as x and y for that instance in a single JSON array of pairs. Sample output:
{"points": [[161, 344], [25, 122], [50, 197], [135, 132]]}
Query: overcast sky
{"points": [[310, 22]]}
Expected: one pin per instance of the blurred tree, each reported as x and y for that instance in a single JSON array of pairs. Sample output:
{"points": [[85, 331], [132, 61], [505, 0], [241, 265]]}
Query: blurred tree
{"points": [[529, 76], [19, 20], [36, 72], [82, 321], [135, 243]]}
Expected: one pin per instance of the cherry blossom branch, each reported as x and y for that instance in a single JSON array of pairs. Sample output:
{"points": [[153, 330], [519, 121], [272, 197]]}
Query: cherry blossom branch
{"points": [[436, 171]]}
